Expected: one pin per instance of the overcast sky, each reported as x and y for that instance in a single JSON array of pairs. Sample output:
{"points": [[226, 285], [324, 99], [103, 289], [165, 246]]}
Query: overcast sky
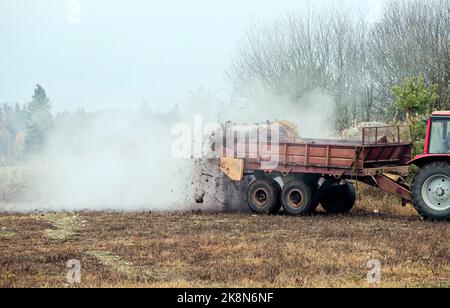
{"points": [[117, 53]]}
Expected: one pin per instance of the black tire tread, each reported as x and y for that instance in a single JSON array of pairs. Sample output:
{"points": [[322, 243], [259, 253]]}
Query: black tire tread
{"points": [[275, 190], [343, 206], [310, 193], [278, 205], [419, 204]]}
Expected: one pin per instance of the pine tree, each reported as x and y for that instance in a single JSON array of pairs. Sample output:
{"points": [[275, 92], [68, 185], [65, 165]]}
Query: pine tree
{"points": [[39, 121], [415, 97]]}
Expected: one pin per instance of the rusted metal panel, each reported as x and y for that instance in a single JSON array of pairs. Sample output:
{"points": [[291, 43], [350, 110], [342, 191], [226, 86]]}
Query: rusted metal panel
{"points": [[389, 154], [388, 185], [400, 170], [327, 156], [322, 151], [306, 161], [251, 166]]}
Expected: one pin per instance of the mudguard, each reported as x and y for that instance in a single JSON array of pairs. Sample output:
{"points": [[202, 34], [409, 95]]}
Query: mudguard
{"points": [[421, 160]]}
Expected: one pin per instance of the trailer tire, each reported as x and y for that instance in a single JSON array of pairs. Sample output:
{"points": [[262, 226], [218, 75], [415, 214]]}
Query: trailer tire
{"points": [[337, 198], [299, 198], [263, 196], [431, 191]]}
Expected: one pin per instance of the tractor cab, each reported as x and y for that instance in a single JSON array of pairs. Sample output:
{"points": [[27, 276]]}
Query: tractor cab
{"points": [[437, 142], [438, 137]]}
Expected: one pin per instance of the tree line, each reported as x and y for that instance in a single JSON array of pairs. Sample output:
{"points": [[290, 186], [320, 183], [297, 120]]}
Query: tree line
{"points": [[24, 128], [354, 61]]}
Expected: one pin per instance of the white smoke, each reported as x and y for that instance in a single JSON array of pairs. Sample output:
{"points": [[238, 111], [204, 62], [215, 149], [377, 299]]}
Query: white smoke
{"points": [[313, 113], [113, 161], [122, 161], [375, 11]]}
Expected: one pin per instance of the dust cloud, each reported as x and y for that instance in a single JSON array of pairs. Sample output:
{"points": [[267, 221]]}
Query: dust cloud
{"points": [[122, 161]]}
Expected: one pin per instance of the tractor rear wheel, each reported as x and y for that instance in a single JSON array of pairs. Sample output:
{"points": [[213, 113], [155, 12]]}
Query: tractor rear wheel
{"points": [[431, 191], [299, 198], [263, 196], [337, 198]]}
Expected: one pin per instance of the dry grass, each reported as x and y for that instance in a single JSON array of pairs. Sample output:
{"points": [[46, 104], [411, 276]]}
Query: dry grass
{"points": [[64, 226], [225, 250]]}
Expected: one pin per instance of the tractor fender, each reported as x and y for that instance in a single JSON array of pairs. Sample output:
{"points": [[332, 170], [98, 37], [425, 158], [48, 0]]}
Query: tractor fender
{"points": [[422, 160]]}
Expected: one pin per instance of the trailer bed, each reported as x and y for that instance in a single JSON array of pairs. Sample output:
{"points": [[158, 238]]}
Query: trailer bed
{"points": [[332, 157]]}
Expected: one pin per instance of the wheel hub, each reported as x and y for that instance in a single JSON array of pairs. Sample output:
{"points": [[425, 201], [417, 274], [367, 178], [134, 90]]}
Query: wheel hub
{"points": [[295, 198], [261, 197], [441, 192], [436, 192]]}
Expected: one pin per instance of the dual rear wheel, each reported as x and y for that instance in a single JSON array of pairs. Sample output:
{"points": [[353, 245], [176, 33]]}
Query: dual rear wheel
{"points": [[263, 196], [300, 197]]}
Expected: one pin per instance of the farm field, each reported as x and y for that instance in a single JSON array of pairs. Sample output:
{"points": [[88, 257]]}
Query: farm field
{"points": [[225, 250]]}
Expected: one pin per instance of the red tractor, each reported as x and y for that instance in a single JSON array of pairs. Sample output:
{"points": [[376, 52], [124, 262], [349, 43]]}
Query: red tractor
{"points": [[431, 187]]}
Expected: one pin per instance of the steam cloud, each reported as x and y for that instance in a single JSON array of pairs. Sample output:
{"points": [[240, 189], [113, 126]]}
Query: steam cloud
{"points": [[123, 162]]}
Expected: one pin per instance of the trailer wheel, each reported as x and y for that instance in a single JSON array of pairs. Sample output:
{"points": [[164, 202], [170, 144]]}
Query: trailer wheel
{"points": [[337, 198], [431, 191], [299, 198], [263, 196]]}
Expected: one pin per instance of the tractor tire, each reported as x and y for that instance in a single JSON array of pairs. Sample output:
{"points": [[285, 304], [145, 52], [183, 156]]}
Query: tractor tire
{"points": [[431, 191], [299, 198], [263, 196], [337, 198]]}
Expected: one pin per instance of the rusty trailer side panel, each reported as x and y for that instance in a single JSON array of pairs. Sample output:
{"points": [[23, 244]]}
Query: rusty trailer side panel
{"points": [[336, 158]]}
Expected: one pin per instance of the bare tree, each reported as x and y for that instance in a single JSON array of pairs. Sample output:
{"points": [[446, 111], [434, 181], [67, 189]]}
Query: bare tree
{"points": [[356, 62]]}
